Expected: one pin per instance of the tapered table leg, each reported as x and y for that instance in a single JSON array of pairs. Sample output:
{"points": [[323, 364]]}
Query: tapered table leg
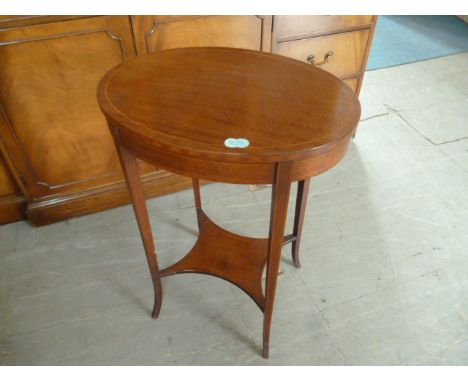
{"points": [[132, 177], [279, 209], [301, 203], [196, 192]]}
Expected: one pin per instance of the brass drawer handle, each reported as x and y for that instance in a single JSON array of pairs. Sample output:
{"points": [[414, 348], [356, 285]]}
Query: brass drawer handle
{"points": [[326, 59]]}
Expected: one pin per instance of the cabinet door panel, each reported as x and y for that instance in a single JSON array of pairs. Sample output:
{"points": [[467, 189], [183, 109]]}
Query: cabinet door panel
{"points": [[154, 33], [52, 126]]}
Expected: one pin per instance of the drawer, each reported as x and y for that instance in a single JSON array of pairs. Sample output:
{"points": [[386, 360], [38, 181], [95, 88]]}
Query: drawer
{"points": [[352, 83], [341, 54], [293, 27]]}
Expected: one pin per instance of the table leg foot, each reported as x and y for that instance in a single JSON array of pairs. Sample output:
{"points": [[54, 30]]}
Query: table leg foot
{"points": [[266, 350], [157, 296], [156, 309], [295, 255]]}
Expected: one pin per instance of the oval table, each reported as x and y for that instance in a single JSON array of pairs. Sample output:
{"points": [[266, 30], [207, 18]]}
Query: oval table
{"points": [[234, 116]]}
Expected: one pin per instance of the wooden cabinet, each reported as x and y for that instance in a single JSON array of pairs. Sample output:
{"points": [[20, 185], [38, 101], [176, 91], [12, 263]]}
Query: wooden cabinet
{"points": [[53, 135]]}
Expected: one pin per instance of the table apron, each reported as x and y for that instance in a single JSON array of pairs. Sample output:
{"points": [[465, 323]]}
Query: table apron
{"points": [[230, 172]]}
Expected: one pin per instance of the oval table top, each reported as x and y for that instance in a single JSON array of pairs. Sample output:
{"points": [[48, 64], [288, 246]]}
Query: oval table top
{"points": [[227, 104]]}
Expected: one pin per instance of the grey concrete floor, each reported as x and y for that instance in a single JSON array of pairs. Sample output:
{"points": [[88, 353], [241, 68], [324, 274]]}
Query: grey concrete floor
{"points": [[385, 257]]}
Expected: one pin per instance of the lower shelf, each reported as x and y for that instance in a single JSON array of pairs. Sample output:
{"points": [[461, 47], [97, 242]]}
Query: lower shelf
{"points": [[234, 258], [237, 259]]}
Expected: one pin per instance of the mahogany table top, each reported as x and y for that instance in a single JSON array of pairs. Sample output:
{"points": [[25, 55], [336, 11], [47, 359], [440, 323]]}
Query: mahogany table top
{"points": [[190, 101]]}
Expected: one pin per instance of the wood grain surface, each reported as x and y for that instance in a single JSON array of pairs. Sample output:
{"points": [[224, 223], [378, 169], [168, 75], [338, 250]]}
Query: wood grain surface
{"points": [[191, 100], [48, 79]]}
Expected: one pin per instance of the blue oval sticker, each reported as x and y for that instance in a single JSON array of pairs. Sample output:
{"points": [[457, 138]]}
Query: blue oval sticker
{"points": [[236, 143]]}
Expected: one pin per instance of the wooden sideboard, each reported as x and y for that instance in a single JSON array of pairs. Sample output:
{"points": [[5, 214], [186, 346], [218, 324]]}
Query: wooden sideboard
{"points": [[58, 155]]}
